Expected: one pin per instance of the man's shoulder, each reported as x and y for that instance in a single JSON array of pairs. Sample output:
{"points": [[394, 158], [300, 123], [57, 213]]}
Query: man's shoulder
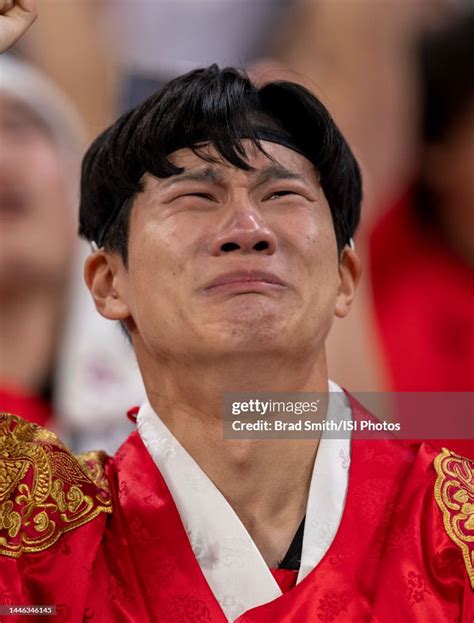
{"points": [[439, 488], [44, 489], [454, 495], [439, 472]]}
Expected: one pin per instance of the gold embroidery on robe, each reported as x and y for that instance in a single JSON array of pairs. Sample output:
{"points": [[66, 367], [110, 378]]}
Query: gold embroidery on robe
{"points": [[454, 493], [44, 490]]}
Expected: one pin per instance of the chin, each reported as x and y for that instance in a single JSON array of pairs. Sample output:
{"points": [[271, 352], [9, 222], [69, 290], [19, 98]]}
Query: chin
{"points": [[250, 323], [252, 334]]}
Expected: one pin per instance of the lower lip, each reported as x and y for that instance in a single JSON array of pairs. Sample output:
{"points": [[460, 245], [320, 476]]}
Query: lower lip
{"points": [[245, 287]]}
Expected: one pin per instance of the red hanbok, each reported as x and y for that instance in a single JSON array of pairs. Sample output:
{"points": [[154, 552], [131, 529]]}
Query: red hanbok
{"points": [[102, 540]]}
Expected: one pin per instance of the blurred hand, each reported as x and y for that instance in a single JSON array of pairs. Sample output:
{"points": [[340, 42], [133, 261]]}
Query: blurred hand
{"points": [[16, 16]]}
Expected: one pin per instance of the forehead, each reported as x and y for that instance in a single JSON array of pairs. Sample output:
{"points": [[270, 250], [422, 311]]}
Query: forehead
{"points": [[278, 158]]}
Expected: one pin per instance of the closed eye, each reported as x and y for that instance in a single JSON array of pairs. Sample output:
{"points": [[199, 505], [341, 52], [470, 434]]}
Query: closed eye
{"points": [[199, 195], [280, 193]]}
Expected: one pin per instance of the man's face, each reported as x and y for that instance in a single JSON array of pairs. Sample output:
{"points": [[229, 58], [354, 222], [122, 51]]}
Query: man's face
{"points": [[36, 224], [223, 261]]}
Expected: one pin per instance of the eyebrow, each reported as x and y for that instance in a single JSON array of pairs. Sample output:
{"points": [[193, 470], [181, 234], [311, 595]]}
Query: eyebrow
{"points": [[269, 173], [277, 172], [202, 175]]}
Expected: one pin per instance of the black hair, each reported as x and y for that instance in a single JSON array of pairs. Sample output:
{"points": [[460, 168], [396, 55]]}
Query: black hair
{"points": [[446, 69], [221, 107], [446, 75]]}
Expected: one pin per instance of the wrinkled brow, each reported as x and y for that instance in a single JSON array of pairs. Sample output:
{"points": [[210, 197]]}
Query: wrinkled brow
{"points": [[262, 176], [208, 174], [274, 172]]}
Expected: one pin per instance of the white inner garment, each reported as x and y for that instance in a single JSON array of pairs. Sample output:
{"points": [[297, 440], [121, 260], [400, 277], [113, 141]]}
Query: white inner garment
{"points": [[229, 559]]}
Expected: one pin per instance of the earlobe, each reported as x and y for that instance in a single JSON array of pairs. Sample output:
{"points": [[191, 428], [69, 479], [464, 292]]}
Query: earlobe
{"points": [[349, 274], [102, 273]]}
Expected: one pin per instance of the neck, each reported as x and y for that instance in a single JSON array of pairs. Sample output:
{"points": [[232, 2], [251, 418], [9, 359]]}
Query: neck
{"points": [[29, 327], [265, 481]]}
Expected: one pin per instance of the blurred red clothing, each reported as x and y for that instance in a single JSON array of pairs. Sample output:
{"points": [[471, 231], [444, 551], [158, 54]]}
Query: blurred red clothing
{"points": [[424, 304], [31, 407]]}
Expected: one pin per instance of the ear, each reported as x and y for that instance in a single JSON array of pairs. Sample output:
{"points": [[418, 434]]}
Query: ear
{"points": [[349, 274], [105, 274]]}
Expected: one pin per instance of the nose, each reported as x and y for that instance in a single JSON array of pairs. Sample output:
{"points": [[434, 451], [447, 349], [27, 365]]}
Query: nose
{"points": [[245, 233]]}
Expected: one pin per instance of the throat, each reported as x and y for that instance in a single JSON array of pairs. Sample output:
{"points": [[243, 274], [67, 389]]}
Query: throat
{"points": [[270, 495]]}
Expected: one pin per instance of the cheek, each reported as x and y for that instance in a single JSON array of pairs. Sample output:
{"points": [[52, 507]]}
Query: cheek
{"points": [[162, 246], [318, 269], [314, 243], [158, 259]]}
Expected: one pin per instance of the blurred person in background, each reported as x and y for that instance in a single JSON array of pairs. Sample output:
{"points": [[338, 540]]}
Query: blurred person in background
{"points": [[15, 19], [40, 145], [422, 249], [60, 364]]}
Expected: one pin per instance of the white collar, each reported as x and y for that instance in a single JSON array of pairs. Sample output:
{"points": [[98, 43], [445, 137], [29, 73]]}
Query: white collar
{"points": [[229, 559]]}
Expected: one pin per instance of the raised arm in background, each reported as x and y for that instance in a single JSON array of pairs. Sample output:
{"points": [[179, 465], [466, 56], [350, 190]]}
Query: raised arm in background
{"points": [[16, 16]]}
